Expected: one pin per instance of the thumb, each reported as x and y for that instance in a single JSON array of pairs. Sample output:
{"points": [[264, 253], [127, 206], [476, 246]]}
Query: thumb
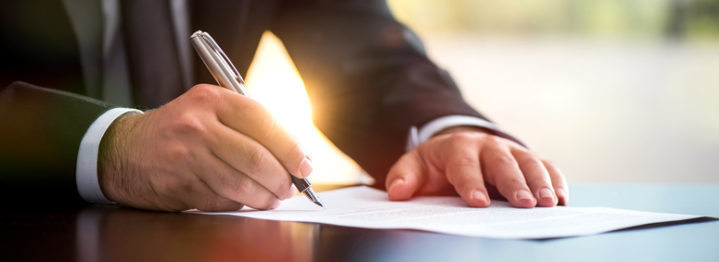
{"points": [[405, 177]]}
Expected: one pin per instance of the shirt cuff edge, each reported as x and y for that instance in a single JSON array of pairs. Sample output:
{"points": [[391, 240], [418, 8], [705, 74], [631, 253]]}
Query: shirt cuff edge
{"points": [[86, 179]]}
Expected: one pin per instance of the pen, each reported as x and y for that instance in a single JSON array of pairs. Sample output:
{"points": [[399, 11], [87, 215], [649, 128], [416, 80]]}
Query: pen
{"points": [[228, 77]]}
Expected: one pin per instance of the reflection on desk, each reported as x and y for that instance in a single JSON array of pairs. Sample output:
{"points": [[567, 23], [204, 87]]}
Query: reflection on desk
{"points": [[107, 234], [102, 233]]}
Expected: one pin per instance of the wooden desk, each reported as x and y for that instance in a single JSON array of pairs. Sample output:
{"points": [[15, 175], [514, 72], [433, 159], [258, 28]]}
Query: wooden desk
{"points": [[120, 234]]}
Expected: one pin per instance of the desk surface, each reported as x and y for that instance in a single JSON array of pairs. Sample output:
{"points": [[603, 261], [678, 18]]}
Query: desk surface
{"points": [[122, 234]]}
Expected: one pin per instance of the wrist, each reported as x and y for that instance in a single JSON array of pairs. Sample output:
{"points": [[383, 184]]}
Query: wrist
{"points": [[112, 152]]}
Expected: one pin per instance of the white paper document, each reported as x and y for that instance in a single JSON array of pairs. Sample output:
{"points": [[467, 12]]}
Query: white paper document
{"points": [[366, 207]]}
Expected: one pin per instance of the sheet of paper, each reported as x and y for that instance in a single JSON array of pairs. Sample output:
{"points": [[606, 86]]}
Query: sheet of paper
{"points": [[366, 207]]}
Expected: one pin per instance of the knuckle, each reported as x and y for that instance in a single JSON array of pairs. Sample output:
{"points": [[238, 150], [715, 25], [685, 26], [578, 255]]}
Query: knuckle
{"points": [[245, 187], [257, 159], [171, 186], [205, 94], [503, 160], [179, 152], [530, 162], [188, 123], [514, 183], [460, 138], [455, 142], [523, 151], [494, 141], [510, 186], [464, 160], [464, 184]]}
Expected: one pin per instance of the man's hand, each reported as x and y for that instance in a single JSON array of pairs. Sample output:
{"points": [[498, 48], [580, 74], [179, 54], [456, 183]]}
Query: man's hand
{"points": [[475, 165], [209, 149]]}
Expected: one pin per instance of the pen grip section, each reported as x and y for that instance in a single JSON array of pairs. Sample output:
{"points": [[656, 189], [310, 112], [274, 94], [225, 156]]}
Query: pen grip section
{"points": [[301, 184]]}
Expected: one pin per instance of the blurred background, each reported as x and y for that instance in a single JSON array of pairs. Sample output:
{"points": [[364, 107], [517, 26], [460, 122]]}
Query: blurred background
{"points": [[610, 90]]}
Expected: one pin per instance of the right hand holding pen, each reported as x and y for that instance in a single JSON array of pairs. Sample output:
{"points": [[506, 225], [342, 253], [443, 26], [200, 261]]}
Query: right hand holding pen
{"points": [[209, 149]]}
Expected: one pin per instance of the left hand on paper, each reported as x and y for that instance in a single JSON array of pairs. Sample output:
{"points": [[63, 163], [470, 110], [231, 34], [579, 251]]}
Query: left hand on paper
{"points": [[476, 165]]}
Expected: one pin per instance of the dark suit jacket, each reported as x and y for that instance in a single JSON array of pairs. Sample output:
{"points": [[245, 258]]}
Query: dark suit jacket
{"points": [[367, 76]]}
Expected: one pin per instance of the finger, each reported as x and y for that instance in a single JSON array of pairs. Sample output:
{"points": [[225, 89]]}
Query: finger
{"points": [[559, 182], [536, 176], [185, 191], [249, 117], [463, 171], [204, 199], [234, 185], [250, 158], [504, 173], [405, 177]]}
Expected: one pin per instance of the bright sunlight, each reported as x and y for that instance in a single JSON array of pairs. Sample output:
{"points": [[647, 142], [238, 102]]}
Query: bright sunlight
{"points": [[274, 81]]}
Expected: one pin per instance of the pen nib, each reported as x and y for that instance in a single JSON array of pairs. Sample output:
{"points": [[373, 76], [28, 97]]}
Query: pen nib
{"points": [[311, 195]]}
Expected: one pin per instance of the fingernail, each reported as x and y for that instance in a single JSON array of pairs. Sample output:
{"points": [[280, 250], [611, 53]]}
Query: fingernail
{"points": [[523, 195], [545, 193], [394, 183], [479, 196], [306, 167], [562, 194]]}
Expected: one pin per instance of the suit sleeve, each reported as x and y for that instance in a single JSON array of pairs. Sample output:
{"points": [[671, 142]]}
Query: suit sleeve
{"points": [[40, 137], [367, 76]]}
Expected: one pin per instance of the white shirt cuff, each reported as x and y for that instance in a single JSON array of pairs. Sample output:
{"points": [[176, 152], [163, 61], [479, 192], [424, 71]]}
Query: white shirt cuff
{"points": [[86, 170], [419, 136]]}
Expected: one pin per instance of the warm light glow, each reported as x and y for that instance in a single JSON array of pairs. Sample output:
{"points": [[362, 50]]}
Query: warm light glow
{"points": [[274, 81]]}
